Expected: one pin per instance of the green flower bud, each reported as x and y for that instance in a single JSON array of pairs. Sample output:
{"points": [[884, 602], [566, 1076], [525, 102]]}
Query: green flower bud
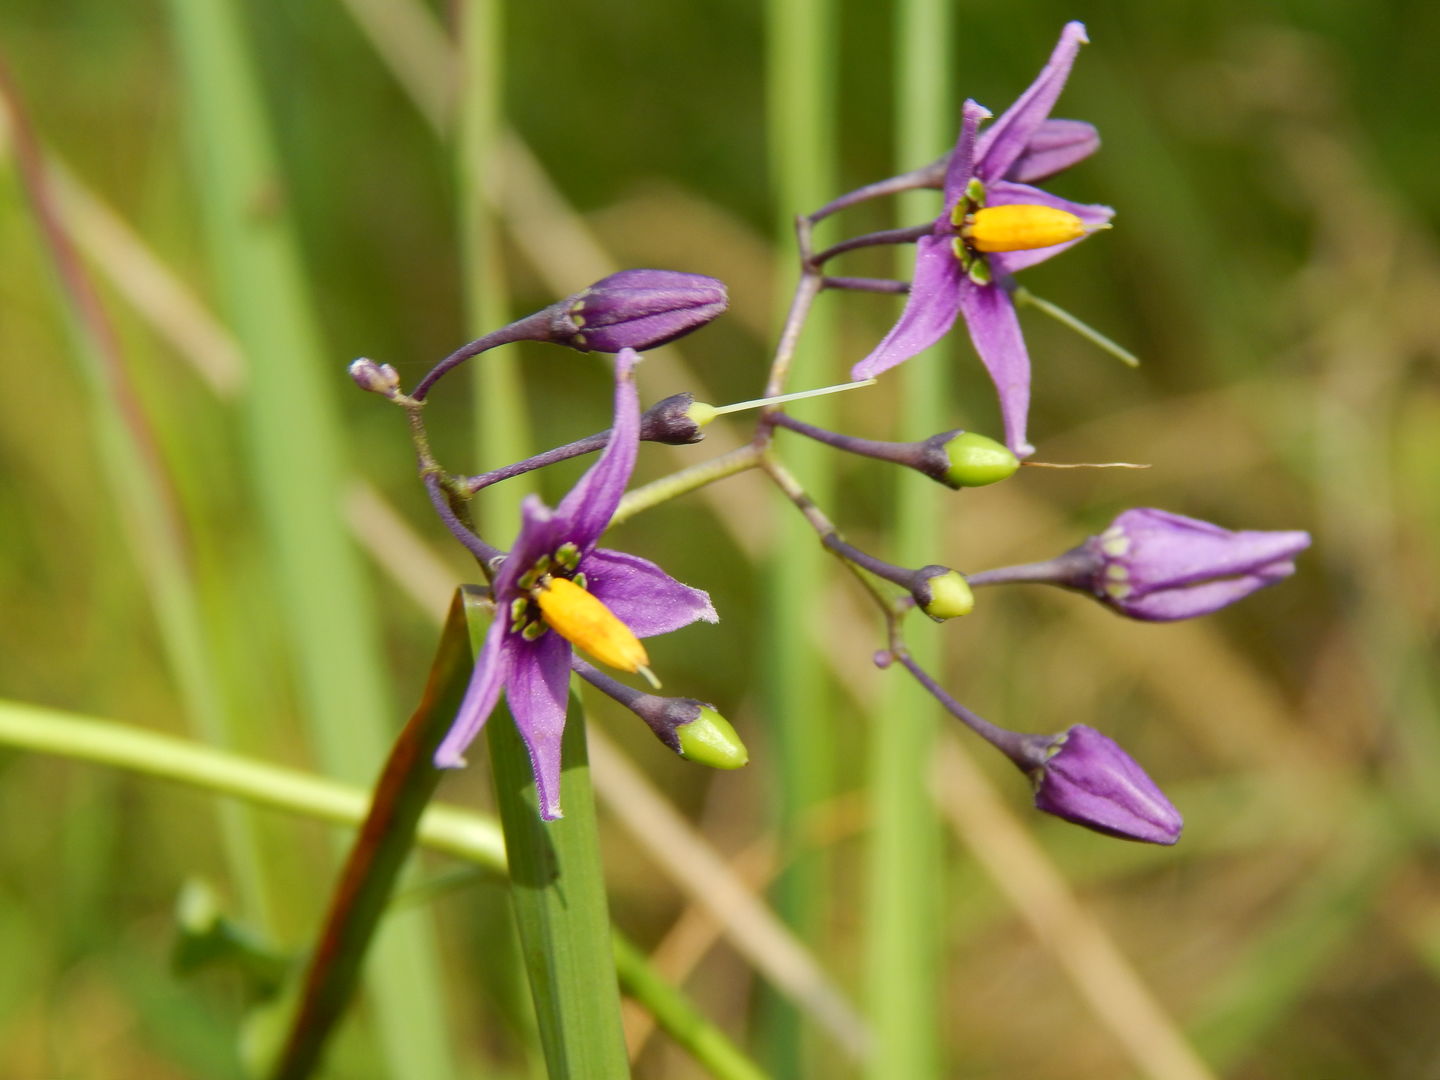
{"points": [[950, 596], [710, 740], [976, 461]]}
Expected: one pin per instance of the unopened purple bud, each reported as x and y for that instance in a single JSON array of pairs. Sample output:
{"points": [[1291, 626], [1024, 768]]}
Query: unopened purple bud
{"points": [[1158, 566], [674, 420], [636, 309], [1087, 779], [376, 378]]}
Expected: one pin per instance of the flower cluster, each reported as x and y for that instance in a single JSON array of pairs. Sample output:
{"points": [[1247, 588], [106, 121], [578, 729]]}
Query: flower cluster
{"points": [[555, 591]]}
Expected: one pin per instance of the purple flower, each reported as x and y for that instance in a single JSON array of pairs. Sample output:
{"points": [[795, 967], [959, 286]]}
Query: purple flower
{"points": [[556, 588], [994, 224], [1157, 566], [1089, 780]]}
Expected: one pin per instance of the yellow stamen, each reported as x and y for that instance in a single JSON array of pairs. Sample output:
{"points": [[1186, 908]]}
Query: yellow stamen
{"points": [[584, 621], [1022, 227]]}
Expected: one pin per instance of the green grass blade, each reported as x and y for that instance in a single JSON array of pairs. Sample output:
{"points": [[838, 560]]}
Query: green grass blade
{"points": [[297, 448], [558, 889], [144, 499], [503, 431], [904, 911], [801, 86], [384, 842]]}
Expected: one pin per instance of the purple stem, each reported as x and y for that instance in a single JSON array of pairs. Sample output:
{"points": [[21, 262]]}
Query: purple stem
{"points": [[931, 176], [587, 445], [902, 576], [440, 499], [531, 328], [885, 236], [625, 695], [1073, 570], [865, 284], [1025, 751], [927, 457]]}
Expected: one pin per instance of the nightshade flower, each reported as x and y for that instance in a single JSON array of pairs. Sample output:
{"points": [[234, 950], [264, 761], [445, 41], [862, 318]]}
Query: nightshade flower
{"points": [[1157, 566], [995, 223], [556, 589], [1087, 779]]}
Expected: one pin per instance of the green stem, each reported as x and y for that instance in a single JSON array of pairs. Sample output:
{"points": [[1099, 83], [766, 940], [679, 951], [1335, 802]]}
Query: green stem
{"points": [[49, 731], [685, 481], [706, 1043], [1024, 296]]}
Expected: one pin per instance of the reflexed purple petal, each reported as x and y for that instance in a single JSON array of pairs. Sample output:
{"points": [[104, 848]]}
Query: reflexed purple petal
{"points": [[1001, 146], [1093, 782], [1168, 605], [588, 507], [961, 165], [537, 694], [1005, 193], [492, 668], [990, 315], [1055, 146], [643, 596], [930, 309]]}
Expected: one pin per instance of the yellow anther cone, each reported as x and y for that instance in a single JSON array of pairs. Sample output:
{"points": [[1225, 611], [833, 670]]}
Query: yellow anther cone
{"points": [[588, 624], [1021, 227]]}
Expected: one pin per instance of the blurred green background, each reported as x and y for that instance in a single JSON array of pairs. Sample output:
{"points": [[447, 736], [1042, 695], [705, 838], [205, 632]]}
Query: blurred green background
{"points": [[260, 567]]}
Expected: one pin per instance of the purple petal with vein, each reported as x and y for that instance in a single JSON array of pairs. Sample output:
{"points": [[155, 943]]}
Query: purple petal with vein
{"points": [[643, 596], [588, 507], [491, 669], [962, 158], [1007, 139], [930, 309], [995, 330], [537, 693]]}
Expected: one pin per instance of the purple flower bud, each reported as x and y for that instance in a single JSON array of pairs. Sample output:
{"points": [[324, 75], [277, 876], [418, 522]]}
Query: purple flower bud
{"points": [[1157, 566], [672, 420], [1087, 779], [376, 378], [636, 309]]}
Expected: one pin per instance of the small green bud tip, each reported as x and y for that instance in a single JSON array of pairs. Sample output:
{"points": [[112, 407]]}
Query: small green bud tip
{"points": [[710, 740], [197, 909], [950, 596], [976, 461], [701, 413]]}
